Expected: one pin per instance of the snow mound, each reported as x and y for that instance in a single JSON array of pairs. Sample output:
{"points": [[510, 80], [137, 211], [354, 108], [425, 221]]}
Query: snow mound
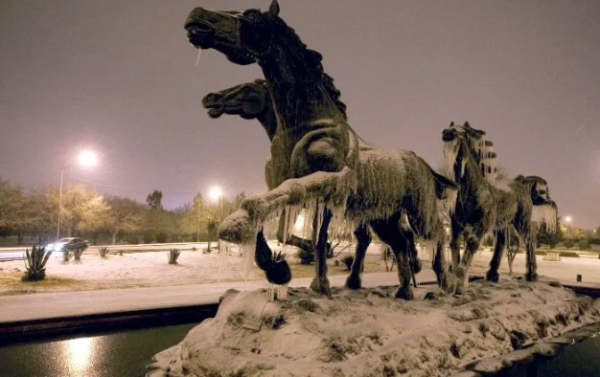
{"points": [[369, 333]]}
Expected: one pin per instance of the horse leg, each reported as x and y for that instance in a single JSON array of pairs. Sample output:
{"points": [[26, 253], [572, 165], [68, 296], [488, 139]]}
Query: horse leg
{"points": [[391, 233], [472, 242], [455, 244], [240, 226], [528, 235], [444, 278], [320, 283], [415, 263], [492, 274], [363, 240]]}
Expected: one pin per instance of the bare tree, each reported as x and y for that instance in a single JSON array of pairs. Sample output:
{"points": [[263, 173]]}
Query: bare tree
{"points": [[125, 215]]}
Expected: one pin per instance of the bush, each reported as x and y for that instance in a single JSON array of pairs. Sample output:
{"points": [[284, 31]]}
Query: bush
{"points": [[35, 263], [67, 255], [131, 239], [161, 238], [305, 257], [569, 254], [148, 237], [103, 251], [77, 254], [569, 243], [120, 253], [173, 255], [347, 261], [583, 244]]}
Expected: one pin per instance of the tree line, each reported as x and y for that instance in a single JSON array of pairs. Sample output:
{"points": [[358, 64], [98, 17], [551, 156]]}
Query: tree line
{"points": [[33, 214]]}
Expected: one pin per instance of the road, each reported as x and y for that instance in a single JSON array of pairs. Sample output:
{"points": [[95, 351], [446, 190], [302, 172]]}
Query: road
{"points": [[15, 253]]}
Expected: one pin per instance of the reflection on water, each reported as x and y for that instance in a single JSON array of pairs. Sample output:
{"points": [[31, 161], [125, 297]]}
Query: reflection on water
{"points": [[114, 355], [577, 360], [78, 354]]}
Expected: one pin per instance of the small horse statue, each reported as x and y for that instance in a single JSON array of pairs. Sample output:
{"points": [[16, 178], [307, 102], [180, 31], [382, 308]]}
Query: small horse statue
{"points": [[483, 206], [316, 159]]}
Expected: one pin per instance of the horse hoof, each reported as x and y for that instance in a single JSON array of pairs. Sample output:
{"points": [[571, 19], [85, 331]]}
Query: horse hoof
{"points": [[321, 286], [448, 283], [353, 282], [416, 266], [532, 277], [492, 276], [404, 293]]}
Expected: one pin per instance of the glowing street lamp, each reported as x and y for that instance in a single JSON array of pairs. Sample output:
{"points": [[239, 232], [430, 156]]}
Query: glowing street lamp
{"points": [[568, 219], [87, 159], [215, 193]]}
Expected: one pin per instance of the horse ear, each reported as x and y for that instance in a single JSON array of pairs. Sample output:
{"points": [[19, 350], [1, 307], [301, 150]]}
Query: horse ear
{"points": [[467, 125], [451, 124], [274, 8]]}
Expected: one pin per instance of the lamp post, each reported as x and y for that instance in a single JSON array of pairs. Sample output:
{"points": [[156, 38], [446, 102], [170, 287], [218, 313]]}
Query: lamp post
{"points": [[87, 158], [216, 194]]}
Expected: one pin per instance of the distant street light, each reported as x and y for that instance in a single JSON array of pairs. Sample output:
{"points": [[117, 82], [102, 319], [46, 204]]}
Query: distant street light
{"points": [[568, 219], [87, 158], [215, 193]]}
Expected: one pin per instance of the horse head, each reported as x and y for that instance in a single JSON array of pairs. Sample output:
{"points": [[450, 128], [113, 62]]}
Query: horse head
{"points": [[243, 37], [461, 143], [247, 100], [538, 189]]}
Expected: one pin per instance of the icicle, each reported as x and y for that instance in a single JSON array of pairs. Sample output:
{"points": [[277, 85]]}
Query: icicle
{"points": [[450, 150], [451, 198], [248, 250], [545, 213], [198, 58]]}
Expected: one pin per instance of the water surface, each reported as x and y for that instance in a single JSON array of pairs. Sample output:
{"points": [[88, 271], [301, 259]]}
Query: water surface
{"points": [[122, 354]]}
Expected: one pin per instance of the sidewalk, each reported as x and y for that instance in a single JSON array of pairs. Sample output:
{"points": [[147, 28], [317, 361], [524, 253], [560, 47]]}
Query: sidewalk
{"points": [[59, 306]]}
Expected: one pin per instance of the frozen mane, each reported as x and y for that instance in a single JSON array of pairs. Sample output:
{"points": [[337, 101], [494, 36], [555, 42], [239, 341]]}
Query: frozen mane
{"points": [[312, 58]]}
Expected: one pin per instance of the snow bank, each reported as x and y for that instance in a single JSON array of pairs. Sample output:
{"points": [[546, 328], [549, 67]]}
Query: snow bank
{"points": [[368, 333]]}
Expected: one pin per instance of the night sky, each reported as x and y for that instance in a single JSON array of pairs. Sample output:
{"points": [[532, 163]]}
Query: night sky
{"points": [[119, 77]]}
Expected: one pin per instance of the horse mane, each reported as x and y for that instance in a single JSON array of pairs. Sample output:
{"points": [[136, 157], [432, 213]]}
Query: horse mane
{"points": [[313, 61]]}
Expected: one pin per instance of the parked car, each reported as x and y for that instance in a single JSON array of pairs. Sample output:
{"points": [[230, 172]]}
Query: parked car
{"points": [[68, 244]]}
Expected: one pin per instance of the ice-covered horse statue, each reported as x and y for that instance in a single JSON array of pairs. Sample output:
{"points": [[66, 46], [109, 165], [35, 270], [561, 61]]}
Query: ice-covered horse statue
{"points": [[483, 206], [253, 101], [315, 157]]}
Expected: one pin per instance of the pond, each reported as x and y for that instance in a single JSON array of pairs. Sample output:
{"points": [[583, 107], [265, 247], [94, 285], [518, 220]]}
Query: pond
{"points": [[123, 354], [577, 360]]}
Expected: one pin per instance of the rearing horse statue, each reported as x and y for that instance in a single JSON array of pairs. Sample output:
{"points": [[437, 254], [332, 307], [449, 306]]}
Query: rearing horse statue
{"points": [[253, 101], [316, 158]]}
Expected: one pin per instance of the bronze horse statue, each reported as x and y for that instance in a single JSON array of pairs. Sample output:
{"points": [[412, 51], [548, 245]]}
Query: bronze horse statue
{"points": [[483, 206], [253, 101], [316, 158]]}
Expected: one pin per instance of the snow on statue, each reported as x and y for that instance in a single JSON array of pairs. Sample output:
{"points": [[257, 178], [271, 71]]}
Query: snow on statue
{"points": [[317, 160], [485, 205]]}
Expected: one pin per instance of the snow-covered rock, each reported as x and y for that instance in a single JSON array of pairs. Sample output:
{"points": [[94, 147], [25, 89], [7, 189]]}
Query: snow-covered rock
{"points": [[369, 333]]}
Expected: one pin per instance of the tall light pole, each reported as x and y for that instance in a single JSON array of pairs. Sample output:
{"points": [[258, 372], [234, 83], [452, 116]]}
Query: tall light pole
{"points": [[86, 158], [216, 194]]}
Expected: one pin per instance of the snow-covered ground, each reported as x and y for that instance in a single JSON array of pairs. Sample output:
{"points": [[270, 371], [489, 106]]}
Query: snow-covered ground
{"points": [[150, 269]]}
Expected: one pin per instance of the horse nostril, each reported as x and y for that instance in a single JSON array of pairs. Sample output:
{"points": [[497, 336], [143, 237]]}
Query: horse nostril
{"points": [[448, 135]]}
